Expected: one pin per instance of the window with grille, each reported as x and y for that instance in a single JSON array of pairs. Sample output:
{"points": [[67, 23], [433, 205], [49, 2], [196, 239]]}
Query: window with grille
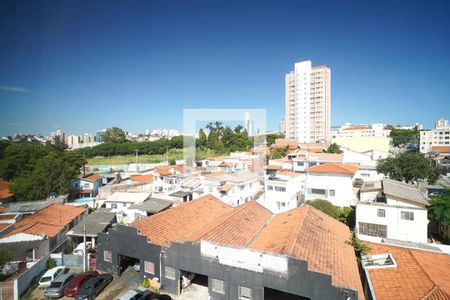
{"points": [[107, 256], [372, 229], [170, 273], [245, 293], [407, 215], [381, 213], [218, 286]]}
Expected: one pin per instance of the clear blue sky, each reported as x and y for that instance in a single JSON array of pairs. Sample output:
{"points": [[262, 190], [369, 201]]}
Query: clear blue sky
{"points": [[81, 66]]}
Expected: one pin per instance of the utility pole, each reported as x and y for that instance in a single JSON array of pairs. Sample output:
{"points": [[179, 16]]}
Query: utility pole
{"points": [[84, 250], [137, 155]]}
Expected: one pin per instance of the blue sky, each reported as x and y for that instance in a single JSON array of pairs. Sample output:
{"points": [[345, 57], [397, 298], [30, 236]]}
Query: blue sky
{"points": [[81, 66]]}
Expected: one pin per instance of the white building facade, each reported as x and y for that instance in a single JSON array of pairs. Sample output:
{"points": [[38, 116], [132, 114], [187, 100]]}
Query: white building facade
{"points": [[307, 103], [283, 191], [439, 136]]}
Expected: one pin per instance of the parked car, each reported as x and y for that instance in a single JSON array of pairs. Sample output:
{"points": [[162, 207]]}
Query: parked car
{"points": [[77, 282], [93, 287], [56, 288], [50, 275], [136, 294], [79, 250]]}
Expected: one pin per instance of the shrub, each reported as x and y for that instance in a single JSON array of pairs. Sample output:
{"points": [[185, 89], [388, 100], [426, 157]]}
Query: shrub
{"points": [[51, 263]]}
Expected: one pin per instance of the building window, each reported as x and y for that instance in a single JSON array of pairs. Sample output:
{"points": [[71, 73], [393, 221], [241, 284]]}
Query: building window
{"points": [[170, 273], [245, 293], [332, 193], [218, 286], [270, 187], [113, 205], [107, 256], [280, 189], [381, 213], [149, 267], [372, 229], [407, 215], [317, 191]]}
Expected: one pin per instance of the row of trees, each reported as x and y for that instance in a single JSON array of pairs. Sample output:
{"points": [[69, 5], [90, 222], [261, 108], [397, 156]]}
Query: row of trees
{"points": [[37, 170], [403, 136]]}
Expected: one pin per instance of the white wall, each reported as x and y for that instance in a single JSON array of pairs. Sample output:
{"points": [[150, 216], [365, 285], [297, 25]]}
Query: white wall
{"points": [[278, 200], [342, 184], [397, 228]]}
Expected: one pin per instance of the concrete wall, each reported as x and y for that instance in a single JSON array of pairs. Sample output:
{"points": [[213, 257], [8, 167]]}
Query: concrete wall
{"points": [[342, 184], [24, 280]]}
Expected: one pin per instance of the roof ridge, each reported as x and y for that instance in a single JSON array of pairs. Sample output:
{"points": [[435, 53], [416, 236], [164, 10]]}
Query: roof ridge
{"points": [[436, 289], [261, 229], [425, 272]]}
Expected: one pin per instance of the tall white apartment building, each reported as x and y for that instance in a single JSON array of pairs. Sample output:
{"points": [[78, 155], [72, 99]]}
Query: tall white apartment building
{"points": [[308, 103], [439, 136]]}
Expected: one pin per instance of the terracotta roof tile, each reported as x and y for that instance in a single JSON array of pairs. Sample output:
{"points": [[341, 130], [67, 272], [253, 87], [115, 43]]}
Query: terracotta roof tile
{"points": [[290, 174], [179, 222], [226, 187], [49, 220], [236, 227], [93, 177], [4, 190], [8, 216], [335, 168], [357, 128], [142, 178], [444, 149], [308, 234], [418, 275], [4, 225], [273, 167]]}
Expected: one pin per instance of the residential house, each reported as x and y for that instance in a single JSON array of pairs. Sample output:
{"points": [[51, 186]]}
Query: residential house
{"points": [[303, 160], [283, 191], [332, 182], [367, 170], [360, 143], [147, 208], [392, 210], [49, 226], [143, 182], [87, 186], [119, 202], [239, 252], [170, 178], [403, 273], [232, 188]]}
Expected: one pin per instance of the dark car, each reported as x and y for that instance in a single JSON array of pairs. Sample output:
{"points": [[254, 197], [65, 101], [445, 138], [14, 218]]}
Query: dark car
{"points": [[77, 282], [93, 287], [56, 288]]}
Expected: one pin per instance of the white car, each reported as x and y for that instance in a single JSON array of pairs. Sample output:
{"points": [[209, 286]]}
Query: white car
{"points": [[79, 250], [51, 275]]}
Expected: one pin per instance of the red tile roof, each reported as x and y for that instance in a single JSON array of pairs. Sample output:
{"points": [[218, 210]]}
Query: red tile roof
{"points": [[357, 128], [226, 187], [93, 177], [308, 234], [142, 178], [236, 227], [290, 174], [4, 225], [273, 167], [443, 149], [335, 168], [4, 190], [8, 216], [49, 221], [179, 222], [418, 275]]}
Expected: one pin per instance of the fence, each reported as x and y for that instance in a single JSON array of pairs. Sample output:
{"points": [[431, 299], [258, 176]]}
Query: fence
{"points": [[72, 261], [23, 281]]}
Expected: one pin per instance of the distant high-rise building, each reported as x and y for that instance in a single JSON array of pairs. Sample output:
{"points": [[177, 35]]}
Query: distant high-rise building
{"points": [[438, 137], [282, 127], [308, 103], [248, 124]]}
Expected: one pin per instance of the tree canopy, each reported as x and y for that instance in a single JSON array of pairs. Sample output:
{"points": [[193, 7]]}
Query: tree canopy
{"points": [[224, 139], [334, 148], [403, 136], [19, 159], [408, 167], [439, 209], [114, 135], [341, 214]]}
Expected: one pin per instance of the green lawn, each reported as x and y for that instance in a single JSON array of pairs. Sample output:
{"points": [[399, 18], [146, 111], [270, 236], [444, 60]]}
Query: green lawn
{"points": [[146, 158]]}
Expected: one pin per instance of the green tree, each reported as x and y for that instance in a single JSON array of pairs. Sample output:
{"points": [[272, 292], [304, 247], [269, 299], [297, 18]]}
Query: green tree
{"points": [[276, 153], [403, 136], [439, 209], [360, 247], [19, 159], [270, 138], [114, 135], [202, 140], [342, 214], [5, 256], [334, 148], [408, 167]]}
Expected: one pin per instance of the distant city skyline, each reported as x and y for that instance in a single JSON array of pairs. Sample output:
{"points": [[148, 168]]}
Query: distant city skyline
{"points": [[88, 65]]}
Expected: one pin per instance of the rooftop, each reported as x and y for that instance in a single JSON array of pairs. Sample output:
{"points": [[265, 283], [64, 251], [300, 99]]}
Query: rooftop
{"points": [[95, 222], [4, 190], [49, 221], [92, 177], [152, 205], [133, 197], [335, 168], [404, 191], [418, 274], [142, 178]]}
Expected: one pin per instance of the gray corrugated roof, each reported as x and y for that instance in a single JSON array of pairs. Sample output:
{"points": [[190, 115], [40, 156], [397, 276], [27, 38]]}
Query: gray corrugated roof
{"points": [[96, 222], [19, 249], [404, 191], [153, 205]]}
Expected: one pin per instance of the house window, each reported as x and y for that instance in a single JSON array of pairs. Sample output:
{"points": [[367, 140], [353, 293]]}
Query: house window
{"points": [[373, 229], [280, 189], [170, 273], [245, 293], [149, 267], [317, 191], [113, 205], [218, 286], [407, 215], [381, 213], [107, 256], [331, 192], [270, 187]]}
